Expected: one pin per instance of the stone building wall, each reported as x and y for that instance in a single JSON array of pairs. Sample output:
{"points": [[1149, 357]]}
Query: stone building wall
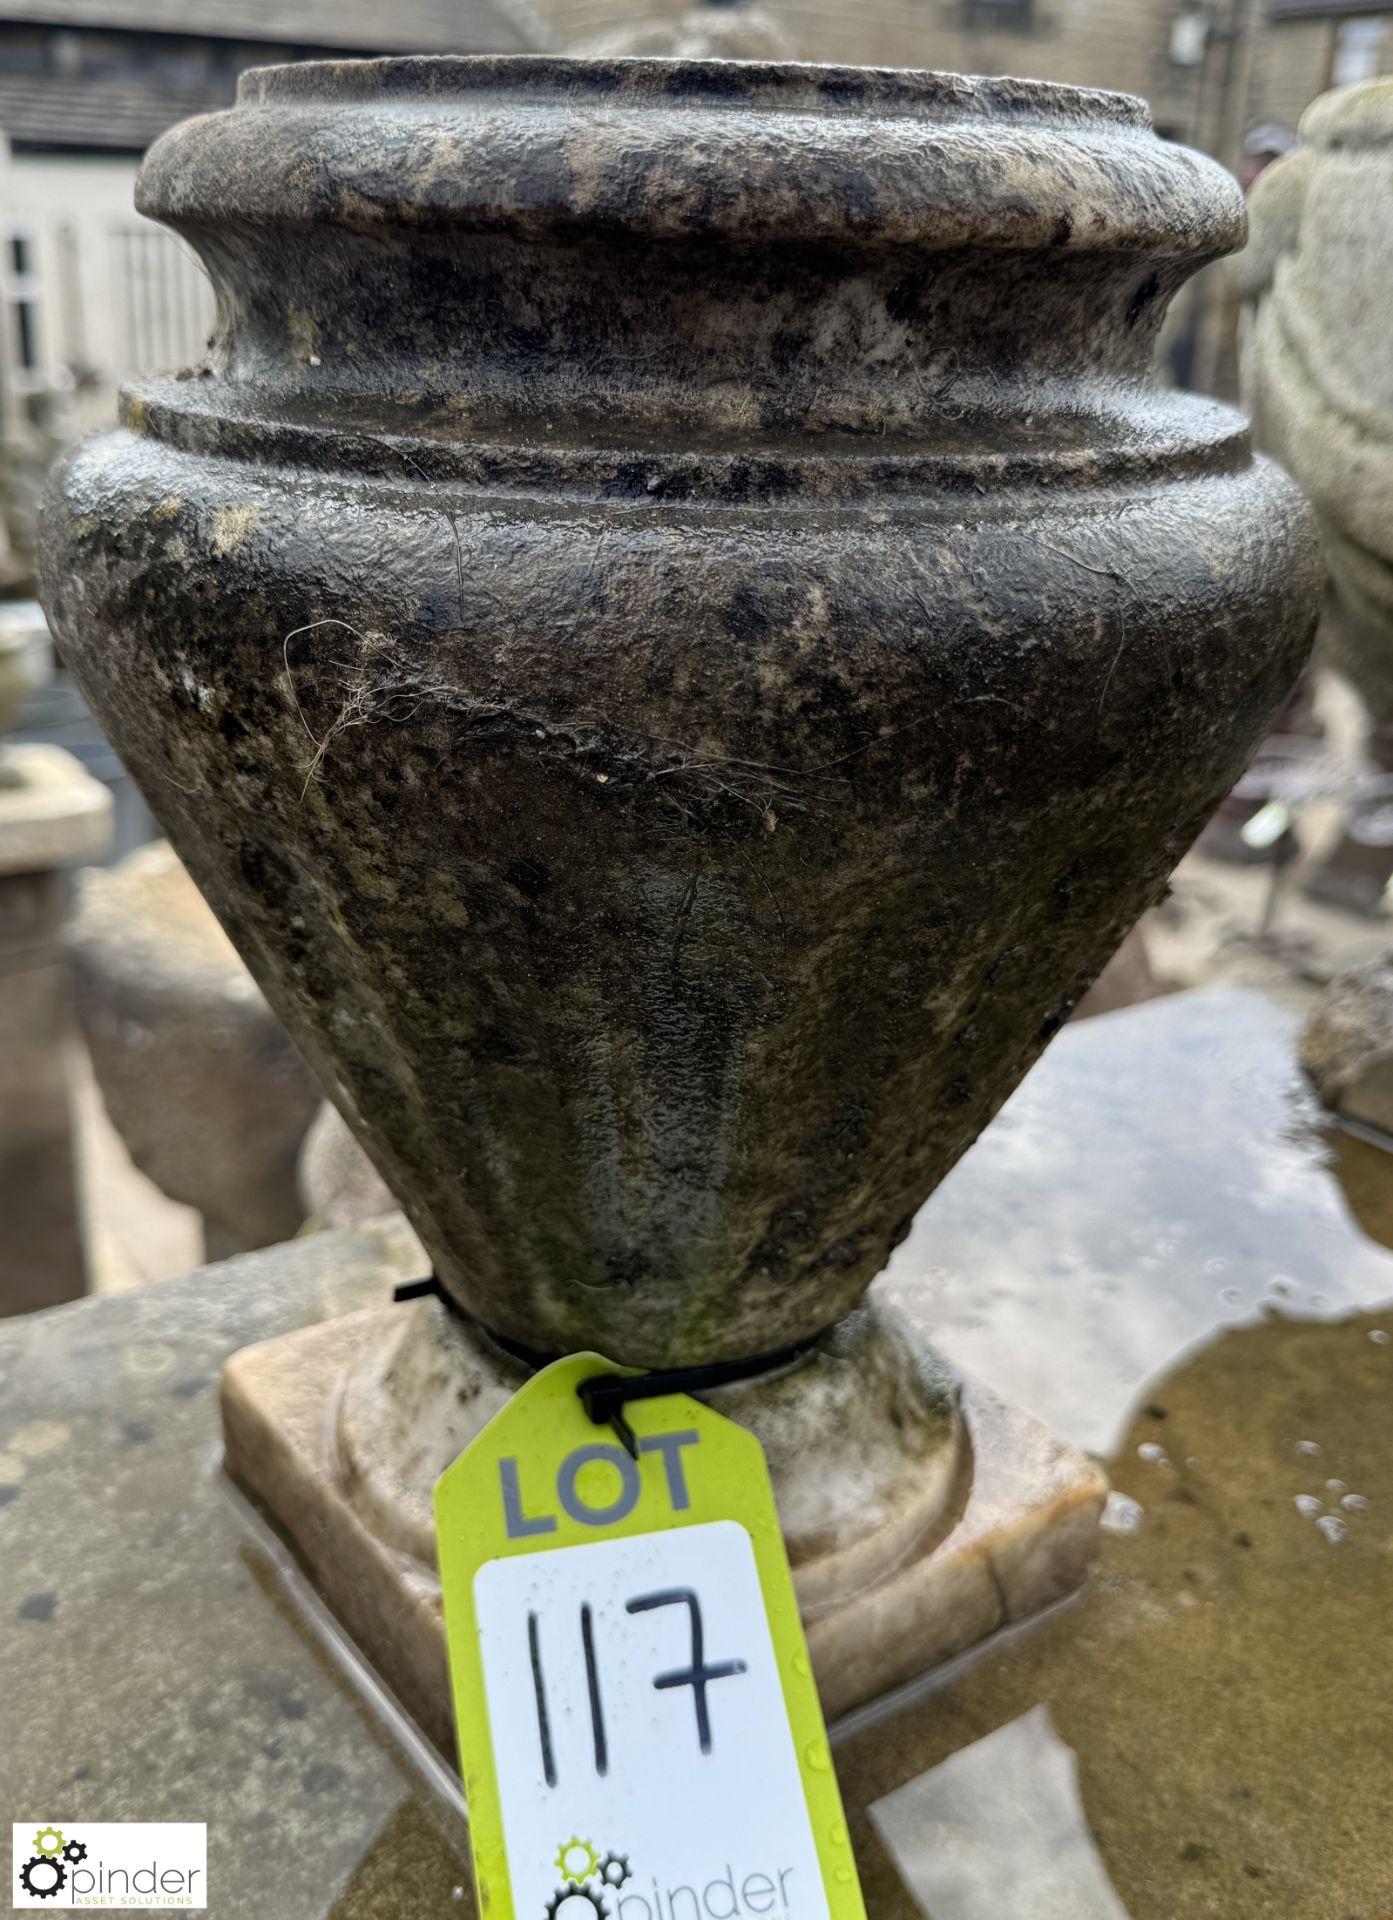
{"points": [[1299, 58], [1107, 43]]}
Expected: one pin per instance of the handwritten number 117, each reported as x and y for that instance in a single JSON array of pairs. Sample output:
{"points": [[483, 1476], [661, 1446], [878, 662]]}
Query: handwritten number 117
{"points": [[697, 1674]]}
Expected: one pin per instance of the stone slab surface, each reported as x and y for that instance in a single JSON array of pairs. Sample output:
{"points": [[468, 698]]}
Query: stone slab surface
{"points": [[1025, 1528], [52, 812]]}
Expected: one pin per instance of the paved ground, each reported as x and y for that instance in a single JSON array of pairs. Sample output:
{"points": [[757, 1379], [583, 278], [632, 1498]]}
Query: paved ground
{"points": [[1212, 927]]}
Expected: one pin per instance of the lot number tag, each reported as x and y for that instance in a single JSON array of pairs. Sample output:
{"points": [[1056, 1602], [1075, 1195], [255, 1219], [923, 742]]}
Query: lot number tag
{"points": [[639, 1732]]}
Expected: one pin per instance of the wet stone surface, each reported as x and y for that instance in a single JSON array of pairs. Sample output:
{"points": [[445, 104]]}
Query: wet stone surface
{"points": [[1157, 1249]]}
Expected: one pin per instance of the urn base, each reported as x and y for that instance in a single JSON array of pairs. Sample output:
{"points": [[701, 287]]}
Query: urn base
{"points": [[999, 1520]]}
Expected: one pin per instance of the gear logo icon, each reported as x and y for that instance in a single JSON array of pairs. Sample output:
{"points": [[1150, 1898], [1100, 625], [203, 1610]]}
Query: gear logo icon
{"points": [[615, 1869], [74, 1853], [586, 1876], [52, 1875], [48, 1841], [576, 1861], [574, 1890]]}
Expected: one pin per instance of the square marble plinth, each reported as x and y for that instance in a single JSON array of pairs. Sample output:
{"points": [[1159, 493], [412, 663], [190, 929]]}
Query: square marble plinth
{"points": [[1027, 1527]]}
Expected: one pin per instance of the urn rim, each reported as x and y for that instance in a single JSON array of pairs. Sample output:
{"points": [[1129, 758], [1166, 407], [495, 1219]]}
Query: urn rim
{"points": [[789, 86], [541, 147]]}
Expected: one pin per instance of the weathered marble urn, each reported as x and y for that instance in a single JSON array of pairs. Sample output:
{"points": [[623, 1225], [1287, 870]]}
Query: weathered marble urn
{"points": [[677, 632]]}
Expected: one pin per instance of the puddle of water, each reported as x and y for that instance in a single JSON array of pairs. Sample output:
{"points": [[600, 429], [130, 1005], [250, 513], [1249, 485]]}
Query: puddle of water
{"points": [[999, 1828], [1163, 1174], [1221, 1682], [1160, 1251]]}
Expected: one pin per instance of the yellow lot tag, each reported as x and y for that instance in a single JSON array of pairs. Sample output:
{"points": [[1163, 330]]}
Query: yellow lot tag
{"points": [[639, 1733]]}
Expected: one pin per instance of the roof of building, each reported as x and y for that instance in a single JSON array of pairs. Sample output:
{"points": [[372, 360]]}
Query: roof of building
{"points": [[118, 113], [1324, 9], [124, 111], [403, 26]]}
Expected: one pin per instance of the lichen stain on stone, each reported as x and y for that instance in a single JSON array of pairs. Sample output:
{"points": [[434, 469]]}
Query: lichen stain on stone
{"points": [[149, 1361], [231, 525], [341, 928], [303, 332], [450, 910], [357, 210], [40, 1438], [301, 177]]}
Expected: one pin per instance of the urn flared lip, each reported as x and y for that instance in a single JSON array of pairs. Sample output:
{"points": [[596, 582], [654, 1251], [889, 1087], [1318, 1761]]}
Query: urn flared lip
{"points": [[775, 86], [740, 153]]}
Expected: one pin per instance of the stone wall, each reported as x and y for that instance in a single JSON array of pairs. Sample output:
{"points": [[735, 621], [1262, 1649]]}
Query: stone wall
{"points": [[1103, 43], [1296, 60], [1107, 43]]}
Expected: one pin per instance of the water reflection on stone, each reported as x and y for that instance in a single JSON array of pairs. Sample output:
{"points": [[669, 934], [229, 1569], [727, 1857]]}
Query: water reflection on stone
{"points": [[1168, 1175], [998, 1829], [1219, 1682]]}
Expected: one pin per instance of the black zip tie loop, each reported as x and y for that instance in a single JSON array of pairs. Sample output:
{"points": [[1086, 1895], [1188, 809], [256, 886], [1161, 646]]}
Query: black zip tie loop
{"points": [[419, 1289], [433, 1287], [605, 1395]]}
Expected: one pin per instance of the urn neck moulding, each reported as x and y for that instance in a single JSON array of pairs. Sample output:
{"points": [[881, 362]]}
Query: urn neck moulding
{"points": [[676, 632], [745, 249]]}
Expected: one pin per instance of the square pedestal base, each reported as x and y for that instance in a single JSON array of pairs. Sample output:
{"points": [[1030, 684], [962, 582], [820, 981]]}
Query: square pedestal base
{"points": [[1026, 1529]]}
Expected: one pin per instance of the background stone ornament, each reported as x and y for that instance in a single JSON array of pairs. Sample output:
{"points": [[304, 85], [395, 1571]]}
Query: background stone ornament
{"points": [[1319, 371], [1319, 377], [52, 815], [197, 1074], [677, 633]]}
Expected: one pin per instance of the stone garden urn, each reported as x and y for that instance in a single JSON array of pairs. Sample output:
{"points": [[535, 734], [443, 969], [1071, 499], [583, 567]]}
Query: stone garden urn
{"points": [[1319, 376], [677, 633]]}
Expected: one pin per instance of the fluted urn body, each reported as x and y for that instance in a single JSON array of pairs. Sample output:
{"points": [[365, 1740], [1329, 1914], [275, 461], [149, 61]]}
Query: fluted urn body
{"points": [[676, 632]]}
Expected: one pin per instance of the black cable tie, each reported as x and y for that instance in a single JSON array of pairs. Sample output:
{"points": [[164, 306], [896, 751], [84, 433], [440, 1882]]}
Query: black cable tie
{"points": [[420, 1289], [605, 1395]]}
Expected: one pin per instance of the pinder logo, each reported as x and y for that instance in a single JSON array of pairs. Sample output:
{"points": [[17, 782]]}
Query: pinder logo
{"points": [[584, 1875], [110, 1864], [595, 1886]]}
